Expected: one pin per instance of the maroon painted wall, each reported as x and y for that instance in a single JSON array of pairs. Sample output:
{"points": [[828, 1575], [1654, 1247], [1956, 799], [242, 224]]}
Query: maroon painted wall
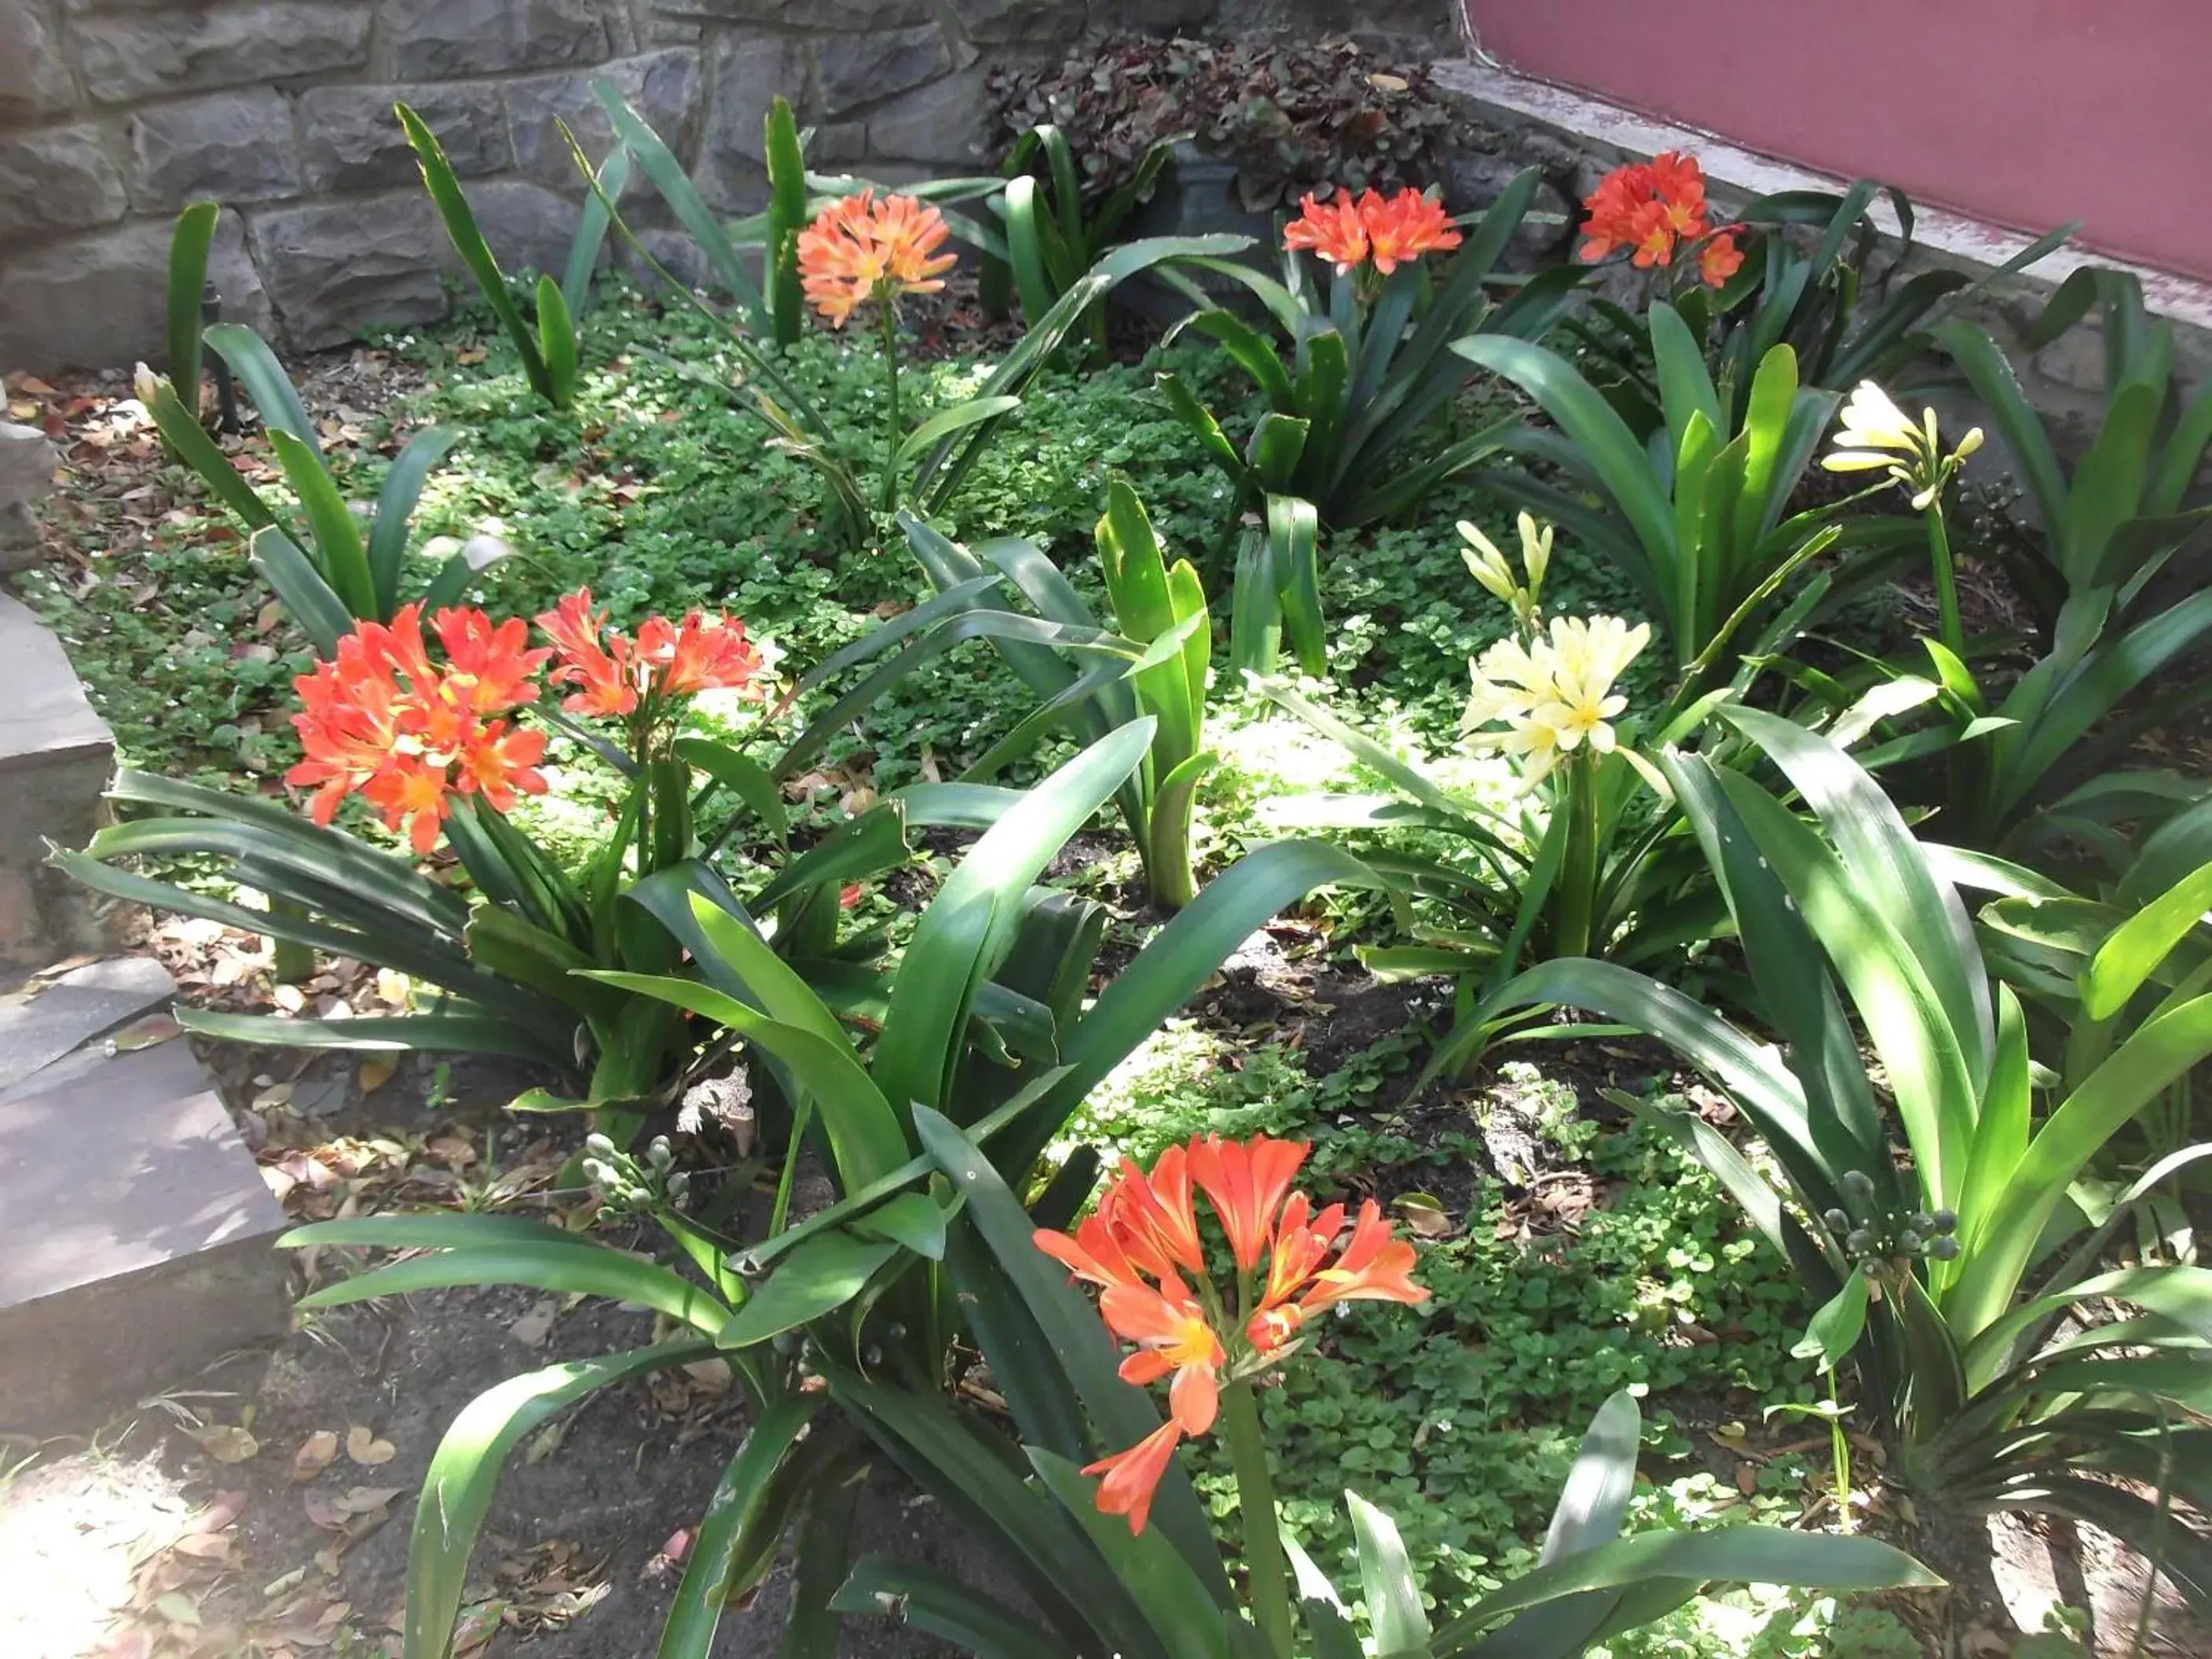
{"points": [[2027, 112]]}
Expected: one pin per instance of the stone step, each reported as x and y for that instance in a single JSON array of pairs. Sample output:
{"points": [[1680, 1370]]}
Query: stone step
{"points": [[135, 1231], [56, 757]]}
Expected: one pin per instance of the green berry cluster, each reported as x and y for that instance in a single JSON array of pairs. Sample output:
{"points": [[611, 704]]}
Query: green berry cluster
{"points": [[1890, 1239], [629, 1186]]}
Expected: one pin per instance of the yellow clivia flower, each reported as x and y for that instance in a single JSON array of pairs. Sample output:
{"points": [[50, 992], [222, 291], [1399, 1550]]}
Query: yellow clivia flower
{"points": [[1555, 695], [1876, 434], [1535, 550], [1588, 657]]}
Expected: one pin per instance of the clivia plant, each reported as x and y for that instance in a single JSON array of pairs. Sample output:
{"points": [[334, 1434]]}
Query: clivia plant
{"points": [[325, 566], [551, 346], [2009, 1360], [425, 721], [862, 248], [926, 1090], [1587, 858], [1156, 667], [1806, 269], [2045, 762], [1367, 368], [1213, 1308]]}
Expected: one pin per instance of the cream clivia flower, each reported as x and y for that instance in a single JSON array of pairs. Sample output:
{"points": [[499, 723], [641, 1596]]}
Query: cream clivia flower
{"points": [[1588, 657], [1486, 564], [1876, 434], [1555, 695]]}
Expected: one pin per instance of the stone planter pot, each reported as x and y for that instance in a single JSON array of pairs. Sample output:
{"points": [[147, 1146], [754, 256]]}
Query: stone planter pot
{"points": [[1196, 196]]}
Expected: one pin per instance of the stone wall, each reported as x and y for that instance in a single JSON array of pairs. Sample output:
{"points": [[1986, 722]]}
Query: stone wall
{"points": [[114, 113]]}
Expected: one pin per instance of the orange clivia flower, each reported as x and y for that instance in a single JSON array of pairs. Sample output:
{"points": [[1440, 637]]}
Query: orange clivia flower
{"points": [[1373, 1266], [617, 675], [1332, 229], [591, 657], [1171, 1335], [1144, 1236], [859, 249], [1404, 227], [1132, 1476], [381, 720], [1651, 210], [1152, 1216], [1245, 1181], [697, 655], [1719, 259], [487, 666], [1373, 230]]}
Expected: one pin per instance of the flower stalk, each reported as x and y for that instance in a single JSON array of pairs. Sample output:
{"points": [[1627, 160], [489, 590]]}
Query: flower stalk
{"points": [[1877, 435], [1268, 1585]]}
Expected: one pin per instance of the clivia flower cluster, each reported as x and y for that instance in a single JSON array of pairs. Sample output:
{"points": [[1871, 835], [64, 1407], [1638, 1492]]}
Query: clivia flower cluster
{"points": [[1654, 207], [1877, 435], [1371, 231], [859, 249], [618, 677], [1552, 694], [381, 719], [1142, 1248]]}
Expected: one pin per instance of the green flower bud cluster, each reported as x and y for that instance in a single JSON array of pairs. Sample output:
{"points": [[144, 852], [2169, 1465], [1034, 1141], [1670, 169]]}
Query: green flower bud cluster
{"points": [[1883, 1239], [630, 1186]]}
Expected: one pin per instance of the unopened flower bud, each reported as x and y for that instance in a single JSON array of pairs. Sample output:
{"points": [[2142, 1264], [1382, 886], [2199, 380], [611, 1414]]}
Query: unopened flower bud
{"points": [[1968, 444], [1535, 550]]}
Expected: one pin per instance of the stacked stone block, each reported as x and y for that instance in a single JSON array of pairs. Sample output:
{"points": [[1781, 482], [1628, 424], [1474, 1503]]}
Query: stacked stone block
{"points": [[114, 113]]}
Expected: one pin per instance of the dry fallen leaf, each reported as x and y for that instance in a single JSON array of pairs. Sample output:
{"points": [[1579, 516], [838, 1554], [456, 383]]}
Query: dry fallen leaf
{"points": [[375, 1074], [1425, 1215], [226, 1443], [532, 1329], [316, 1454], [363, 1447]]}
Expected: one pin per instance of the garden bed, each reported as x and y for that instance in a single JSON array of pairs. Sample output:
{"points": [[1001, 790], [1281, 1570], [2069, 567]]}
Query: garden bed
{"points": [[1569, 1252]]}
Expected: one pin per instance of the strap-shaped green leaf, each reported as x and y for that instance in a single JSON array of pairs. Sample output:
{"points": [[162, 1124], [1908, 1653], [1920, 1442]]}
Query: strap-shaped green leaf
{"points": [[339, 554], [820, 1277], [461, 221], [938, 1604], [558, 342], [745, 1518], [314, 609], [189, 439], [865, 1140], [188, 260], [395, 506], [457, 1491], [592, 225], [962, 935], [264, 380]]}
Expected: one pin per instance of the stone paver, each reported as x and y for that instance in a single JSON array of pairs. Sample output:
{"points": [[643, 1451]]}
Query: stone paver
{"points": [[72, 1010], [55, 758], [135, 1236]]}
